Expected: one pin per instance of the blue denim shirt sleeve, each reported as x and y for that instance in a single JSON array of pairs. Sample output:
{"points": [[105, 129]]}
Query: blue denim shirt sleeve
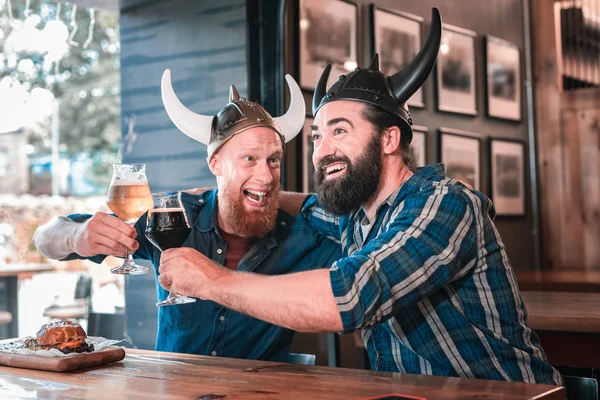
{"points": [[143, 252], [325, 223], [418, 252]]}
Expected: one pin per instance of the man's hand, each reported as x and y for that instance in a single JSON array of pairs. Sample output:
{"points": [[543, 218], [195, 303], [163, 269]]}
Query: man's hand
{"points": [[188, 272], [104, 234]]}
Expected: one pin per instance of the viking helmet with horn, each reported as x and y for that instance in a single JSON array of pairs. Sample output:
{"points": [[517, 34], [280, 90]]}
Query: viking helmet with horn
{"points": [[389, 93], [237, 116]]}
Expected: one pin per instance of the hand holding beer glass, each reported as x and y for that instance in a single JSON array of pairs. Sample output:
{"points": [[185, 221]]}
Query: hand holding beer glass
{"points": [[129, 198], [168, 228]]}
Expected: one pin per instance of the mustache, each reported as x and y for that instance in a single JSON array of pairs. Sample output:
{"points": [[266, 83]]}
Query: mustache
{"points": [[325, 161]]}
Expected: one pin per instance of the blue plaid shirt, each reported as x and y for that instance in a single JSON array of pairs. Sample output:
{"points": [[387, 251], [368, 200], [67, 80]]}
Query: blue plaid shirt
{"points": [[206, 327], [430, 285]]}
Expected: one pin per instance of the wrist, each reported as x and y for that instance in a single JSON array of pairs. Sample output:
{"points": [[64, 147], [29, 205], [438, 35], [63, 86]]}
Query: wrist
{"points": [[217, 286], [74, 233]]}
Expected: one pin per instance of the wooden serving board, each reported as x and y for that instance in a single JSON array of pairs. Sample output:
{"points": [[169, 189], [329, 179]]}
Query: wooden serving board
{"points": [[63, 364]]}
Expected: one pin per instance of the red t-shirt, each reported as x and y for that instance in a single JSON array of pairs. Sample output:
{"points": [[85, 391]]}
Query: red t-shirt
{"points": [[237, 246]]}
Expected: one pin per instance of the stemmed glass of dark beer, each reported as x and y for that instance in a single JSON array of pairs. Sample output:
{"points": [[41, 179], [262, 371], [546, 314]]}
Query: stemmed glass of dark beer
{"points": [[168, 228], [129, 198]]}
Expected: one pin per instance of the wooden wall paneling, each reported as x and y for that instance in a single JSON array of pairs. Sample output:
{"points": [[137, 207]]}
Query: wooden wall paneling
{"points": [[584, 108], [572, 244], [550, 160]]}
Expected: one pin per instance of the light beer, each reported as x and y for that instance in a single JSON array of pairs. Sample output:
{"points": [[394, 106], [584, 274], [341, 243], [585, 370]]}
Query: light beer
{"points": [[129, 200]]}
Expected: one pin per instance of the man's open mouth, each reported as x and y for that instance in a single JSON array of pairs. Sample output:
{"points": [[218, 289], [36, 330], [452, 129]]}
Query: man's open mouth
{"points": [[255, 196], [335, 169]]}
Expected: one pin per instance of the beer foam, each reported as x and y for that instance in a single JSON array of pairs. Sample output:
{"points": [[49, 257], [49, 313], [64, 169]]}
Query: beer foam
{"points": [[165, 210], [129, 182]]}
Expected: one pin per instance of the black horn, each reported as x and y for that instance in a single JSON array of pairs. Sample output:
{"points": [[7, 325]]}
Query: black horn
{"points": [[407, 81], [375, 62], [321, 88]]}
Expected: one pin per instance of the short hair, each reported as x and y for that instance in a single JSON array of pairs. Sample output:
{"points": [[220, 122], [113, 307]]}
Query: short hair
{"points": [[381, 120]]}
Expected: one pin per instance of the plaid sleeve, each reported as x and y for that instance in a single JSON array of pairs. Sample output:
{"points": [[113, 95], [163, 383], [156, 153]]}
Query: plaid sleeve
{"points": [[427, 244], [326, 224]]}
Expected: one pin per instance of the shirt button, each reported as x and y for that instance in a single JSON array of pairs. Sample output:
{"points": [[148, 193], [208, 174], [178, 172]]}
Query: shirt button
{"points": [[283, 223], [214, 353], [219, 251], [222, 318], [201, 201]]}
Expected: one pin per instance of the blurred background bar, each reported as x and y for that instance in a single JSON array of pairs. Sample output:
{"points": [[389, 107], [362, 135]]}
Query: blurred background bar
{"points": [[513, 107]]}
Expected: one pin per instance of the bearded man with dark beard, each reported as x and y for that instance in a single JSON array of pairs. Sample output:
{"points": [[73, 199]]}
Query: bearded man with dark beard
{"points": [[425, 277], [238, 226]]}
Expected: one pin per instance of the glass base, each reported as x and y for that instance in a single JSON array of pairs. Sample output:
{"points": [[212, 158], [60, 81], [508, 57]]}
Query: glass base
{"points": [[174, 299], [130, 269]]}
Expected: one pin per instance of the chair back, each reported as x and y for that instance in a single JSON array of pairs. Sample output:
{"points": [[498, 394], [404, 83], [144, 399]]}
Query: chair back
{"points": [[580, 388], [110, 326], [303, 359], [83, 287]]}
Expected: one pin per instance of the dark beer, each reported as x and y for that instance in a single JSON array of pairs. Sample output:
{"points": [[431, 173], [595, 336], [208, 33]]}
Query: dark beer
{"points": [[167, 228]]}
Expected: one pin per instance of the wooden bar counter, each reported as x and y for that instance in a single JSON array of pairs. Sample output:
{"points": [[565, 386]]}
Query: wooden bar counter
{"points": [[149, 374], [559, 281], [568, 324]]}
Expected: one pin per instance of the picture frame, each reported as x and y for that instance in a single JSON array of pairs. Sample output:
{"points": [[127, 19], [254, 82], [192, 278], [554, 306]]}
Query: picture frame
{"points": [[393, 33], [507, 177], [503, 79], [418, 146], [328, 34], [308, 169], [456, 80], [460, 152]]}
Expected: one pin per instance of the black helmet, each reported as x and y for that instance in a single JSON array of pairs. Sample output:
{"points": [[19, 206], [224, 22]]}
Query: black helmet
{"points": [[389, 93]]}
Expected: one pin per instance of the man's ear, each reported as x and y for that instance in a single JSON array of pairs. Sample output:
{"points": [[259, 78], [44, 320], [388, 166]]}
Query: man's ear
{"points": [[215, 165], [390, 140]]}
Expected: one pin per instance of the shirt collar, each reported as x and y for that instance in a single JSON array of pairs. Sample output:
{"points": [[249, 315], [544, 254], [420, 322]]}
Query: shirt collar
{"points": [[206, 219], [426, 173]]}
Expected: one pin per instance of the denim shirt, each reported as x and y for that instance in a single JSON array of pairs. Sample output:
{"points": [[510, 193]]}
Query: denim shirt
{"points": [[207, 328]]}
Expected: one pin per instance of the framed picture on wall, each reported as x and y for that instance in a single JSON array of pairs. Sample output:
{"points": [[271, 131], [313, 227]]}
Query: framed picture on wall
{"points": [[328, 35], [455, 72], [308, 169], [460, 152], [507, 176], [503, 79], [397, 38], [418, 146]]}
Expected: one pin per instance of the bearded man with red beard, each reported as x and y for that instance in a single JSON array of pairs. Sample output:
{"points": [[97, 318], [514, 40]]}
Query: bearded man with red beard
{"points": [[238, 226]]}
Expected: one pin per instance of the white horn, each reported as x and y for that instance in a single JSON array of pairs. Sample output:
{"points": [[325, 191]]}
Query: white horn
{"points": [[292, 121], [196, 126]]}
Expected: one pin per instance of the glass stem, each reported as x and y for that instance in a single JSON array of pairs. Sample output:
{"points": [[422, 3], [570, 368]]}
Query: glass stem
{"points": [[128, 257], [129, 253]]}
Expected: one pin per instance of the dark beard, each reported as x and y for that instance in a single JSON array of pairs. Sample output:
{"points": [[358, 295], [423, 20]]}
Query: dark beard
{"points": [[248, 223], [344, 195]]}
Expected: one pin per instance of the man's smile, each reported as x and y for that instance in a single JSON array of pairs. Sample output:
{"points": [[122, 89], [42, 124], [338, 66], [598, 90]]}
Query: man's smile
{"points": [[334, 170], [256, 198]]}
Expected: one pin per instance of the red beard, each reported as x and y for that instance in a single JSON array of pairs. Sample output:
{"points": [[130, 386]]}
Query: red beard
{"points": [[244, 222]]}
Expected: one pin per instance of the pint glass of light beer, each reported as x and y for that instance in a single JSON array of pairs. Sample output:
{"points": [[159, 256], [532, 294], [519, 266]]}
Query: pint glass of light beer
{"points": [[129, 198]]}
